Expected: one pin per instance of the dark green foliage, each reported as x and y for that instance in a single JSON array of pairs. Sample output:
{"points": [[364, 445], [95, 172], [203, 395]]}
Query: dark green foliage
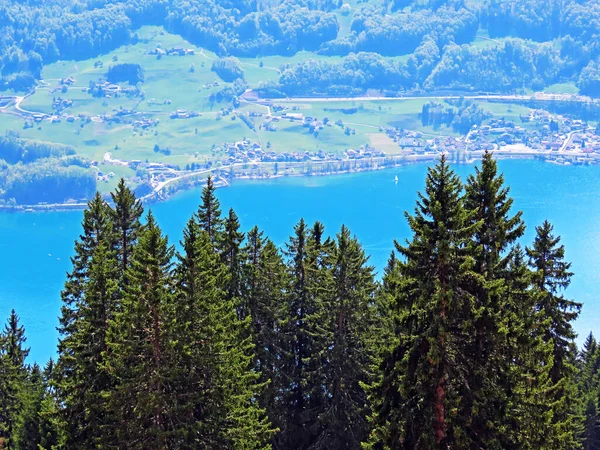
{"points": [[265, 289], [228, 69], [13, 378], [140, 341], [233, 258], [50, 180], [474, 355], [305, 337], [495, 315], [132, 73], [126, 223], [550, 277], [349, 353], [216, 378], [90, 299], [425, 374], [209, 213], [467, 342], [28, 408], [14, 150]]}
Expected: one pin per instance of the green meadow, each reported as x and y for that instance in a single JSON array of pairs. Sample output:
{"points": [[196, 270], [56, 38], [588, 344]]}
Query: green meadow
{"points": [[186, 83]]}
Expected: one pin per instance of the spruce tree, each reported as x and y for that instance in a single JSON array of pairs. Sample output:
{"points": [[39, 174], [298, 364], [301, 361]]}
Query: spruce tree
{"points": [[497, 229], [233, 258], [589, 365], [424, 381], [319, 330], [139, 352], [591, 435], [96, 228], [348, 354], [90, 299], [28, 435], [217, 377], [264, 300], [126, 214], [209, 213], [295, 344], [304, 337], [198, 292], [526, 377], [51, 426], [551, 276], [13, 380]]}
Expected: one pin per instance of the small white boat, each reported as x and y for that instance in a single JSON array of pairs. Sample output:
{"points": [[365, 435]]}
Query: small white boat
{"points": [[396, 179]]}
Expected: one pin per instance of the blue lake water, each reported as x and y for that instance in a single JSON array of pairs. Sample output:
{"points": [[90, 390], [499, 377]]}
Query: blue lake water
{"points": [[35, 247]]}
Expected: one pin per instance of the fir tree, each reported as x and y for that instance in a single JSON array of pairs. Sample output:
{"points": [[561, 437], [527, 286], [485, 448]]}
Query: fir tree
{"points": [[126, 222], [96, 228], [265, 282], [28, 435], [425, 372], [233, 258], [51, 426], [209, 213], [304, 338], [13, 380], [526, 378], [497, 229], [140, 340], [217, 377], [196, 379], [349, 354], [90, 299], [551, 276], [589, 365], [591, 435], [486, 195]]}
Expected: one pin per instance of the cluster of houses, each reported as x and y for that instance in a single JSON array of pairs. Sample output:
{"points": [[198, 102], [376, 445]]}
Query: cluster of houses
{"points": [[105, 89], [173, 51], [183, 114], [246, 151], [541, 131], [312, 123], [405, 138], [211, 85], [552, 133], [363, 153], [69, 81], [60, 104], [145, 122]]}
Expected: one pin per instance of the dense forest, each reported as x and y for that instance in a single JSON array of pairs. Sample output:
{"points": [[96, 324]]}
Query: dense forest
{"points": [[228, 342], [532, 44], [36, 171]]}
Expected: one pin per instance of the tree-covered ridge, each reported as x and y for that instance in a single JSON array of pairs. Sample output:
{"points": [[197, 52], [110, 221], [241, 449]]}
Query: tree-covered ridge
{"points": [[32, 171], [494, 46], [229, 342]]}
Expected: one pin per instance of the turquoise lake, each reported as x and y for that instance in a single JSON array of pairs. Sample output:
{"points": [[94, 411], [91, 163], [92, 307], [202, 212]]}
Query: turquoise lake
{"points": [[35, 247]]}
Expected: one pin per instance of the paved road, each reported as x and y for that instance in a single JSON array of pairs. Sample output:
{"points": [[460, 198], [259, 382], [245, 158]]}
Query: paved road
{"points": [[536, 97]]}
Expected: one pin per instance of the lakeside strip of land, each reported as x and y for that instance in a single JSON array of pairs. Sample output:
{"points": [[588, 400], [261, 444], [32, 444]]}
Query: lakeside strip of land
{"points": [[224, 175]]}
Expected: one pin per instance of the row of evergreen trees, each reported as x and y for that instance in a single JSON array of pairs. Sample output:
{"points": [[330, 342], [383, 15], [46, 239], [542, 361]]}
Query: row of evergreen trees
{"points": [[232, 343]]}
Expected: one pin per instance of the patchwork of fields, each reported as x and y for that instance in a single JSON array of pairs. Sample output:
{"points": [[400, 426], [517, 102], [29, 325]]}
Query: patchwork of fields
{"points": [[139, 125]]}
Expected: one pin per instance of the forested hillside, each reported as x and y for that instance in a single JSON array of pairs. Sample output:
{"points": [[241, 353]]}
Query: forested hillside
{"points": [[228, 342], [445, 44]]}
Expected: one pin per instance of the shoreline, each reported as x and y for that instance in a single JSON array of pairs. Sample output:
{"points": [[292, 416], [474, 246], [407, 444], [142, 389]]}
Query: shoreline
{"points": [[368, 165]]}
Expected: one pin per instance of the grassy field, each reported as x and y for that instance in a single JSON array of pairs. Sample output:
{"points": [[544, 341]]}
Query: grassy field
{"points": [[562, 88], [187, 82]]}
